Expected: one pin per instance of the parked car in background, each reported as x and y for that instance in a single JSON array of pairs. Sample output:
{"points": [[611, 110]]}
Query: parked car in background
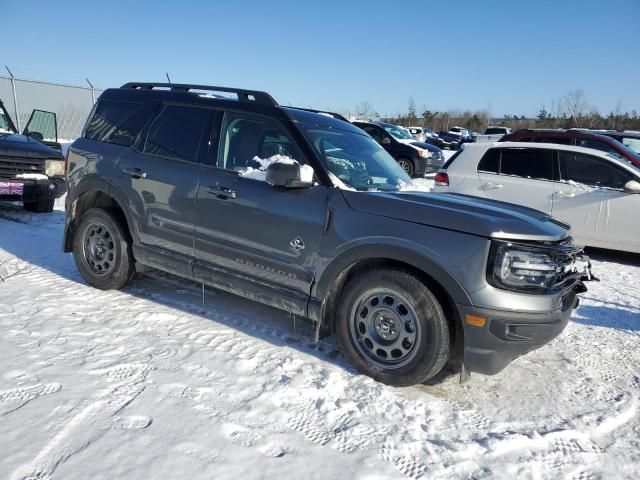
{"points": [[629, 138], [415, 158], [578, 138], [596, 193], [493, 134], [417, 133], [406, 280], [468, 136], [452, 138], [30, 171]]}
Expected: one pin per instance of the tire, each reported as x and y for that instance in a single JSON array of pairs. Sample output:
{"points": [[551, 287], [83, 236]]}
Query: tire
{"points": [[406, 322], [41, 205], [102, 250], [406, 165]]}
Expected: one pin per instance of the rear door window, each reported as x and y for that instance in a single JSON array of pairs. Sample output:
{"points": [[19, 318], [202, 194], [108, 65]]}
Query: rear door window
{"points": [[118, 122], [176, 133], [527, 163], [592, 171]]}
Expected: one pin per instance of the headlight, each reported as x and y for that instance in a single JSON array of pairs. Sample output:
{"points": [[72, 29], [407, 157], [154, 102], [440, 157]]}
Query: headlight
{"points": [[424, 153], [54, 168], [516, 268]]}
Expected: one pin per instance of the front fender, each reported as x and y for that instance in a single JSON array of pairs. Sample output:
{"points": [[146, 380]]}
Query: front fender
{"points": [[389, 249]]}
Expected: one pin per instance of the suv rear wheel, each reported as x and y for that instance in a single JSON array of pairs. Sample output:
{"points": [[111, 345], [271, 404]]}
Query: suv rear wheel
{"points": [[102, 250], [42, 205], [406, 165], [392, 328]]}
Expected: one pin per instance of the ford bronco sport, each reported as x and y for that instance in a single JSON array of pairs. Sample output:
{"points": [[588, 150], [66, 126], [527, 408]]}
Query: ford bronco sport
{"points": [[307, 213]]}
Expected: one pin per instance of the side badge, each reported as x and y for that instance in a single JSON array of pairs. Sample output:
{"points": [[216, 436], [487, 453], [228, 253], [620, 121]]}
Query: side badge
{"points": [[297, 244]]}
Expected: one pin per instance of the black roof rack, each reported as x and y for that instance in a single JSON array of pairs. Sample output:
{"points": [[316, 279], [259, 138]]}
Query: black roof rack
{"points": [[335, 115], [243, 95]]}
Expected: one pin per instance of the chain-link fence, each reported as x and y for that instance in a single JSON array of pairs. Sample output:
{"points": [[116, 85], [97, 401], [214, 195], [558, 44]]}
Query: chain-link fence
{"points": [[70, 103]]}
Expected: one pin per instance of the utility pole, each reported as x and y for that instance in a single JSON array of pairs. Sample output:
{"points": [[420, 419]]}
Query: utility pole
{"points": [[15, 98], [93, 92]]}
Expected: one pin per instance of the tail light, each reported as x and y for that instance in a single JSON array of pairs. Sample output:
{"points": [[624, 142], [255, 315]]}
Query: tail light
{"points": [[442, 179]]}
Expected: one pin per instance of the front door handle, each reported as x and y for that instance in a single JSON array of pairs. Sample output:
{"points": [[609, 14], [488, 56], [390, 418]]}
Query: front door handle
{"points": [[222, 192], [134, 172]]}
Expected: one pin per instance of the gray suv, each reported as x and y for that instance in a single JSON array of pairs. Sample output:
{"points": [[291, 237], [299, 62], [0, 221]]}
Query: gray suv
{"points": [[307, 213]]}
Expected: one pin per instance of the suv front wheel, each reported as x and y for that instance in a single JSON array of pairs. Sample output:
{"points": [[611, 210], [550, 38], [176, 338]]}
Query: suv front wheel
{"points": [[102, 250], [392, 328]]}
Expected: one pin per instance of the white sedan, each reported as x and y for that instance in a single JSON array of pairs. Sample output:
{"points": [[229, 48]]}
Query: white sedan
{"points": [[595, 193]]}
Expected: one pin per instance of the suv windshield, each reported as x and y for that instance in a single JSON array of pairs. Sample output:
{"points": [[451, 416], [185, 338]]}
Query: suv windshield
{"points": [[356, 160], [398, 132]]}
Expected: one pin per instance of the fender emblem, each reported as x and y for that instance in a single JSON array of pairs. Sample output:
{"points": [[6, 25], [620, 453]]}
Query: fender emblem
{"points": [[297, 244]]}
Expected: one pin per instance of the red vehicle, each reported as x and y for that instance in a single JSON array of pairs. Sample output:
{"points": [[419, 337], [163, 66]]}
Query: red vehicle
{"points": [[577, 138]]}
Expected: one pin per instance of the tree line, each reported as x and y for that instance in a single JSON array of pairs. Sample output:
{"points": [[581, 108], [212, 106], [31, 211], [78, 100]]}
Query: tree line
{"points": [[571, 111]]}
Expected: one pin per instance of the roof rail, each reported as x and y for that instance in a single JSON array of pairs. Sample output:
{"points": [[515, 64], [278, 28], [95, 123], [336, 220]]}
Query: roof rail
{"points": [[243, 95], [325, 112]]}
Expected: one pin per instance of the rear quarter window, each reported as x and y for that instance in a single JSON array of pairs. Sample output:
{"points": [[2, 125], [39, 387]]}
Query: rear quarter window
{"points": [[490, 161], [118, 122]]}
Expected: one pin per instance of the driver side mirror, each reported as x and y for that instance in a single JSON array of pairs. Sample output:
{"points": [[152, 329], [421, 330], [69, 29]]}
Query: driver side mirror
{"points": [[385, 141], [632, 186], [288, 175]]}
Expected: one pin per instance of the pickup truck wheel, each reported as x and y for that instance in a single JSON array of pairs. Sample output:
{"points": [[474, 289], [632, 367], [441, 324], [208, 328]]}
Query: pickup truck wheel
{"points": [[102, 250], [392, 328], [44, 205], [406, 165]]}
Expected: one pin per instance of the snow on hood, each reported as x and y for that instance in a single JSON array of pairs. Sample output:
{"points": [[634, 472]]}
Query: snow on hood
{"points": [[260, 173]]}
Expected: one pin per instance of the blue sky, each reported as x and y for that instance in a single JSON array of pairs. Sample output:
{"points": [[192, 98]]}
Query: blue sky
{"points": [[508, 56]]}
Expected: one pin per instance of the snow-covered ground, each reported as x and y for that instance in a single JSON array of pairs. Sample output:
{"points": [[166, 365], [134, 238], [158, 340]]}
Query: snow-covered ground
{"points": [[148, 384]]}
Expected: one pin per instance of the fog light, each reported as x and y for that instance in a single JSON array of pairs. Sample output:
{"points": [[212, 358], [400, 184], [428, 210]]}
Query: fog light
{"points": [[52, 186]]}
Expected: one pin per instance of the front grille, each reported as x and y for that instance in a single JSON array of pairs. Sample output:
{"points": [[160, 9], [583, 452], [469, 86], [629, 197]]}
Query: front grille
{"points": [[12, 166]]}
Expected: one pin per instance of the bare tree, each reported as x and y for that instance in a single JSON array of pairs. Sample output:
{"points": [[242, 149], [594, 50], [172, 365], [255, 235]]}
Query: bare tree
{"points": [[576, 106], [365, 110], [412, 111]]}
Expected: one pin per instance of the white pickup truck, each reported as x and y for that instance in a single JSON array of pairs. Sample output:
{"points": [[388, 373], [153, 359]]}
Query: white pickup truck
{"points": [[493, 134]]}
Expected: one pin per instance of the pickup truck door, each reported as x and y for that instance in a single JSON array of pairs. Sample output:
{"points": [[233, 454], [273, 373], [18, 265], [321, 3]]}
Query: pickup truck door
{"points": [[249, 232], [523, 176], [590, 197]]}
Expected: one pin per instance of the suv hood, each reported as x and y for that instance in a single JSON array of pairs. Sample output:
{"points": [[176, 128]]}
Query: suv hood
{"points": [[14, 145], [462, 213]]}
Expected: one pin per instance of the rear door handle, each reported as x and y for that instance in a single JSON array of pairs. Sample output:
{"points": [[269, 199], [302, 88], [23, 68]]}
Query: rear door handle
{"points": [[222, 192], [492, 186], [134, 172]]}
